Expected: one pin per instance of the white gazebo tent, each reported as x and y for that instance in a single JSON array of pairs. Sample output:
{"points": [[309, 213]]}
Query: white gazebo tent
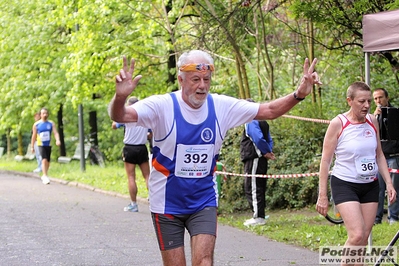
{"points": [[380, 33]]}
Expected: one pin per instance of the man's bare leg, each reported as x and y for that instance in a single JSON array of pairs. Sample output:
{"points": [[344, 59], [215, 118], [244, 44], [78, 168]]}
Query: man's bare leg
{"points": [[174, 257], [145, 170], [45, 167], [202, 250], [131, 178]]}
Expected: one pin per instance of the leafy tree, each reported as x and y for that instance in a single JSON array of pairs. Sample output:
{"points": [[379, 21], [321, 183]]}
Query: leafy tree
{"points": [[30, 59], [343, 21]]}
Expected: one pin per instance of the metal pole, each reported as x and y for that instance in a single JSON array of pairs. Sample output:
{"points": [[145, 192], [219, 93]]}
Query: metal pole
{"points": [[81, 127], [367, 80], [367, 68], [386, 251], [81, 139]]}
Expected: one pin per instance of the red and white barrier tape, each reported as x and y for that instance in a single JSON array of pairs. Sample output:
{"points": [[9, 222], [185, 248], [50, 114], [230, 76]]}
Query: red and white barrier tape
{"points": [[396, 171], [267, 176], [308, 119]]}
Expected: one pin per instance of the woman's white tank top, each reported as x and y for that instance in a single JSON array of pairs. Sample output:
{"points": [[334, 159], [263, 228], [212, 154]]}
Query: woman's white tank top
{"points": [[355, 154]]}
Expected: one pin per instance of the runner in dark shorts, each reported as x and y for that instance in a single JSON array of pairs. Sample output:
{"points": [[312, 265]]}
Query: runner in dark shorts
{"points": [[45, 152], [135, 154], [41, 137], [170, 228]]}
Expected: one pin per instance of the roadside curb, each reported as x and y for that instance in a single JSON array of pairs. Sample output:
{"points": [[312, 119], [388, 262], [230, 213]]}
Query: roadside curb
{"points": [[77, 184]]}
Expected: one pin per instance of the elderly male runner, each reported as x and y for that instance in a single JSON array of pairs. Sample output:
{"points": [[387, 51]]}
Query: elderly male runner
{"points": [[188, 129]]}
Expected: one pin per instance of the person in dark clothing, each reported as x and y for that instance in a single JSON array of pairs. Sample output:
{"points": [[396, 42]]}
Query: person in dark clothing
{"points": [[255, 150], [391, 152]]}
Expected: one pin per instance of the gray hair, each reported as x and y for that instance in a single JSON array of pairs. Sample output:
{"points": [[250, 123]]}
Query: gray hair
{"points": [[194, 56]]}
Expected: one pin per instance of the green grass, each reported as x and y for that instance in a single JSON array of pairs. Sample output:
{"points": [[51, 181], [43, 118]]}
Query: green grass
{"points": [[110, 178], [306, 228], [302, 227]]}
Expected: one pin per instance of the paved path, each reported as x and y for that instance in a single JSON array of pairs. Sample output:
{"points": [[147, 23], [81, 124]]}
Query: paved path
{"points": [[62, 224]]}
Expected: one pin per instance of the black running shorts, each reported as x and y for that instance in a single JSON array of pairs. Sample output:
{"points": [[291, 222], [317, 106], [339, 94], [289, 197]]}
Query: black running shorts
{"points": [[170, 228], [343, 191], [135, 154], [45, 152]]}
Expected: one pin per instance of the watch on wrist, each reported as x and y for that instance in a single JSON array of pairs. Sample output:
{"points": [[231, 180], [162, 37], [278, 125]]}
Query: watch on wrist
{"points": [[297, 98]]}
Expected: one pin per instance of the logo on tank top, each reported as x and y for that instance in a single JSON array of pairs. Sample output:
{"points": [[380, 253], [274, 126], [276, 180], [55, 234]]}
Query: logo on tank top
{"points": [[206, 135], [368, 133]]}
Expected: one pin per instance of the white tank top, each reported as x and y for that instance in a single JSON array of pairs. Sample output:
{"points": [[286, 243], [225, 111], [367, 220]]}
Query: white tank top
{"points": [[355, 154], [135, 135]]}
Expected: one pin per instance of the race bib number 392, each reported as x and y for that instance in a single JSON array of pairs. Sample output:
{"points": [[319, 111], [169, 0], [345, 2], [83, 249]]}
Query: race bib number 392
{"points": [[194, 161]]}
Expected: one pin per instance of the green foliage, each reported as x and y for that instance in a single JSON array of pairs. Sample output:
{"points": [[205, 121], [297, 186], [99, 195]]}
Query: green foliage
{"points": [[232, 197], [306, 228]]}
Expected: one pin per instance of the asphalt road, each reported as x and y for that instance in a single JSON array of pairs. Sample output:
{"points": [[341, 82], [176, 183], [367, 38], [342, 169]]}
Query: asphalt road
{"points": [[73, 224]]}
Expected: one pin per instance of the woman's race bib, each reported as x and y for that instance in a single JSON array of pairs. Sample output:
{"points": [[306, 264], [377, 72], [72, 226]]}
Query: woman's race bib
{"points": [[366, 168]]}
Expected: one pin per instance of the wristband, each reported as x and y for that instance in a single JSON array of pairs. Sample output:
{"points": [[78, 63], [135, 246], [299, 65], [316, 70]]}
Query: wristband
{"points": [[297, 98]]}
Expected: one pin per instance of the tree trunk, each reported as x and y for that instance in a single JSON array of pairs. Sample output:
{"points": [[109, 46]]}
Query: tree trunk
{"points": [[61, 131], [172, 74], [20, 144], [93, 127], [262, 38], [311, 53], [171, 83], [244, 75], [8, 136], [241, 91]]}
